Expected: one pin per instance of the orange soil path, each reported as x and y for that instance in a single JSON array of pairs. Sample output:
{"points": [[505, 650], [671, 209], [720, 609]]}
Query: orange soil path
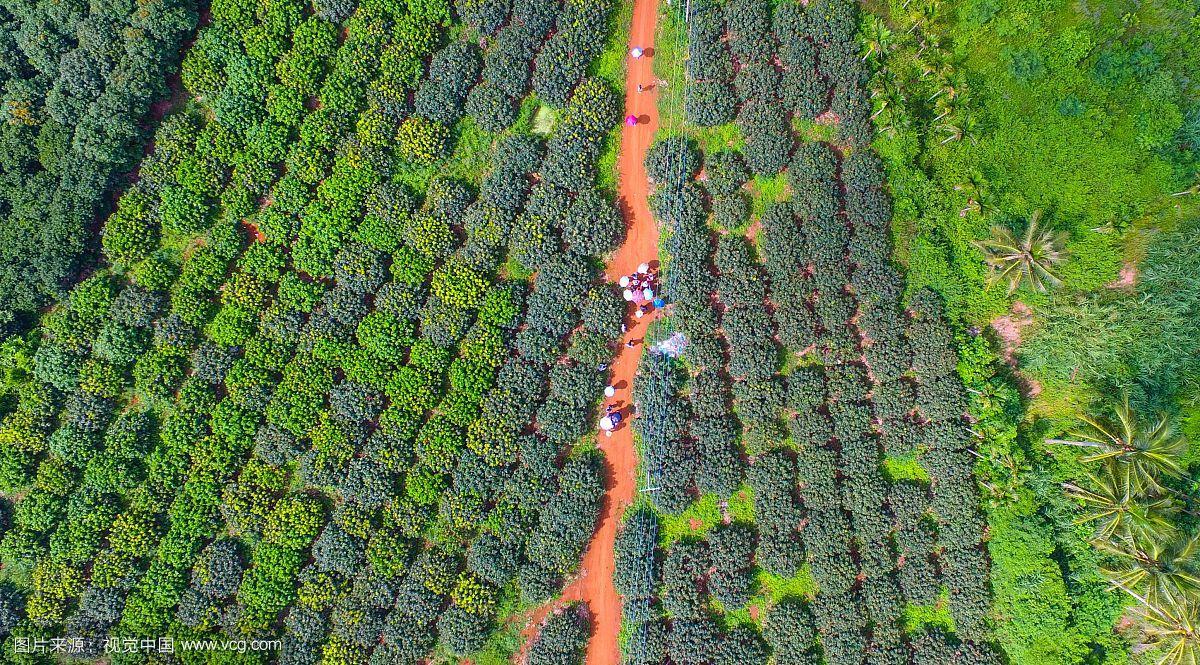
{"points": [[594, 583]]}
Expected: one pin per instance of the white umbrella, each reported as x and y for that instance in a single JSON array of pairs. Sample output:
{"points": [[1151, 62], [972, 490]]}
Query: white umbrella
{"points": [[648, 294], [644, 267], [606, 424], [624, 281], [628, 295], [638, 313], [609, 391], [636, 52]]}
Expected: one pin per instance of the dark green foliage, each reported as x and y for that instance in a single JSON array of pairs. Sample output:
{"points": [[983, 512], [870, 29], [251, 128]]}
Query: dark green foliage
{"points": [[692, 641], [732, 549], [572, 151], [708, 55], [803, 90], [869, 378], [741, 644], [563, 59], [672, 160], [568, 518], [218, 571], [748, 24], [788, 629], [725, 171], [666, 456], [81, 79], [757, 81], [730, 212], [710, 103], [562, 639], [647, 644], [452, 72], [490, 107], [493, 559], [768, 140], [506, 64], [486, 16], [11, 604], [462, 632], [634, 569], [592, 225]]}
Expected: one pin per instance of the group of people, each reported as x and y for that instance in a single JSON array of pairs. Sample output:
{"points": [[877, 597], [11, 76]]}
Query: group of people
{"points": [[640, 289]]}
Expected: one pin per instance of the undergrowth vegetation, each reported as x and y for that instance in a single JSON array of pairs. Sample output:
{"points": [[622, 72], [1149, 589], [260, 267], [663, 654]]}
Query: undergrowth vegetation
{"points": [[1080, 120]]}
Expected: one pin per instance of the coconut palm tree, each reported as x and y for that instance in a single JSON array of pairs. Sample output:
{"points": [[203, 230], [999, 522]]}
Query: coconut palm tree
{"points": [[1148, 450], [878, 38], [1175, 626], [887, 101], [1029, 259], [1121, 509], [1162, 572]]}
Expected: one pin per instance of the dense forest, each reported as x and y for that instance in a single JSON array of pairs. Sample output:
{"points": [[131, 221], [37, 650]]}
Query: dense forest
{"points": [[329, 382], [1042, 162], [78, 82]]}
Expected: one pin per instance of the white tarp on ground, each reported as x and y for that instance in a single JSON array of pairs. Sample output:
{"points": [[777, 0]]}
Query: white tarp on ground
{"points": [[672, 346]]}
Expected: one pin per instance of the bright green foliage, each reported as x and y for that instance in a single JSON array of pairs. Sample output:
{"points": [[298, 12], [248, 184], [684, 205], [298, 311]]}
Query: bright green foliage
{"points": [[458, 285], [421, 141], [129, 234]]}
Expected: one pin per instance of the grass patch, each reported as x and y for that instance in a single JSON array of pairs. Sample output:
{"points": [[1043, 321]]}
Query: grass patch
{"points": [[610, 66], [513, 270], [721, 137], [766, 192], [525, 115], [736, 617], [670, 50], [702, 515], [501, 647], [503, 644], [775, 588], [904, 467], [741, 505], [607, 173], [809, 131], [919, 618]]}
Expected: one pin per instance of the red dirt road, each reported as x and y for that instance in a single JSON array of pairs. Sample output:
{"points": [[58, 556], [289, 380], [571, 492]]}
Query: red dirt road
{"points": [[594, 584]]}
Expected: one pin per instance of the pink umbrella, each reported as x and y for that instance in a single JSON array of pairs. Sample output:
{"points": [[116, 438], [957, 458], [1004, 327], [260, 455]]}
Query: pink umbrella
{"points": [[631, 120]]}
